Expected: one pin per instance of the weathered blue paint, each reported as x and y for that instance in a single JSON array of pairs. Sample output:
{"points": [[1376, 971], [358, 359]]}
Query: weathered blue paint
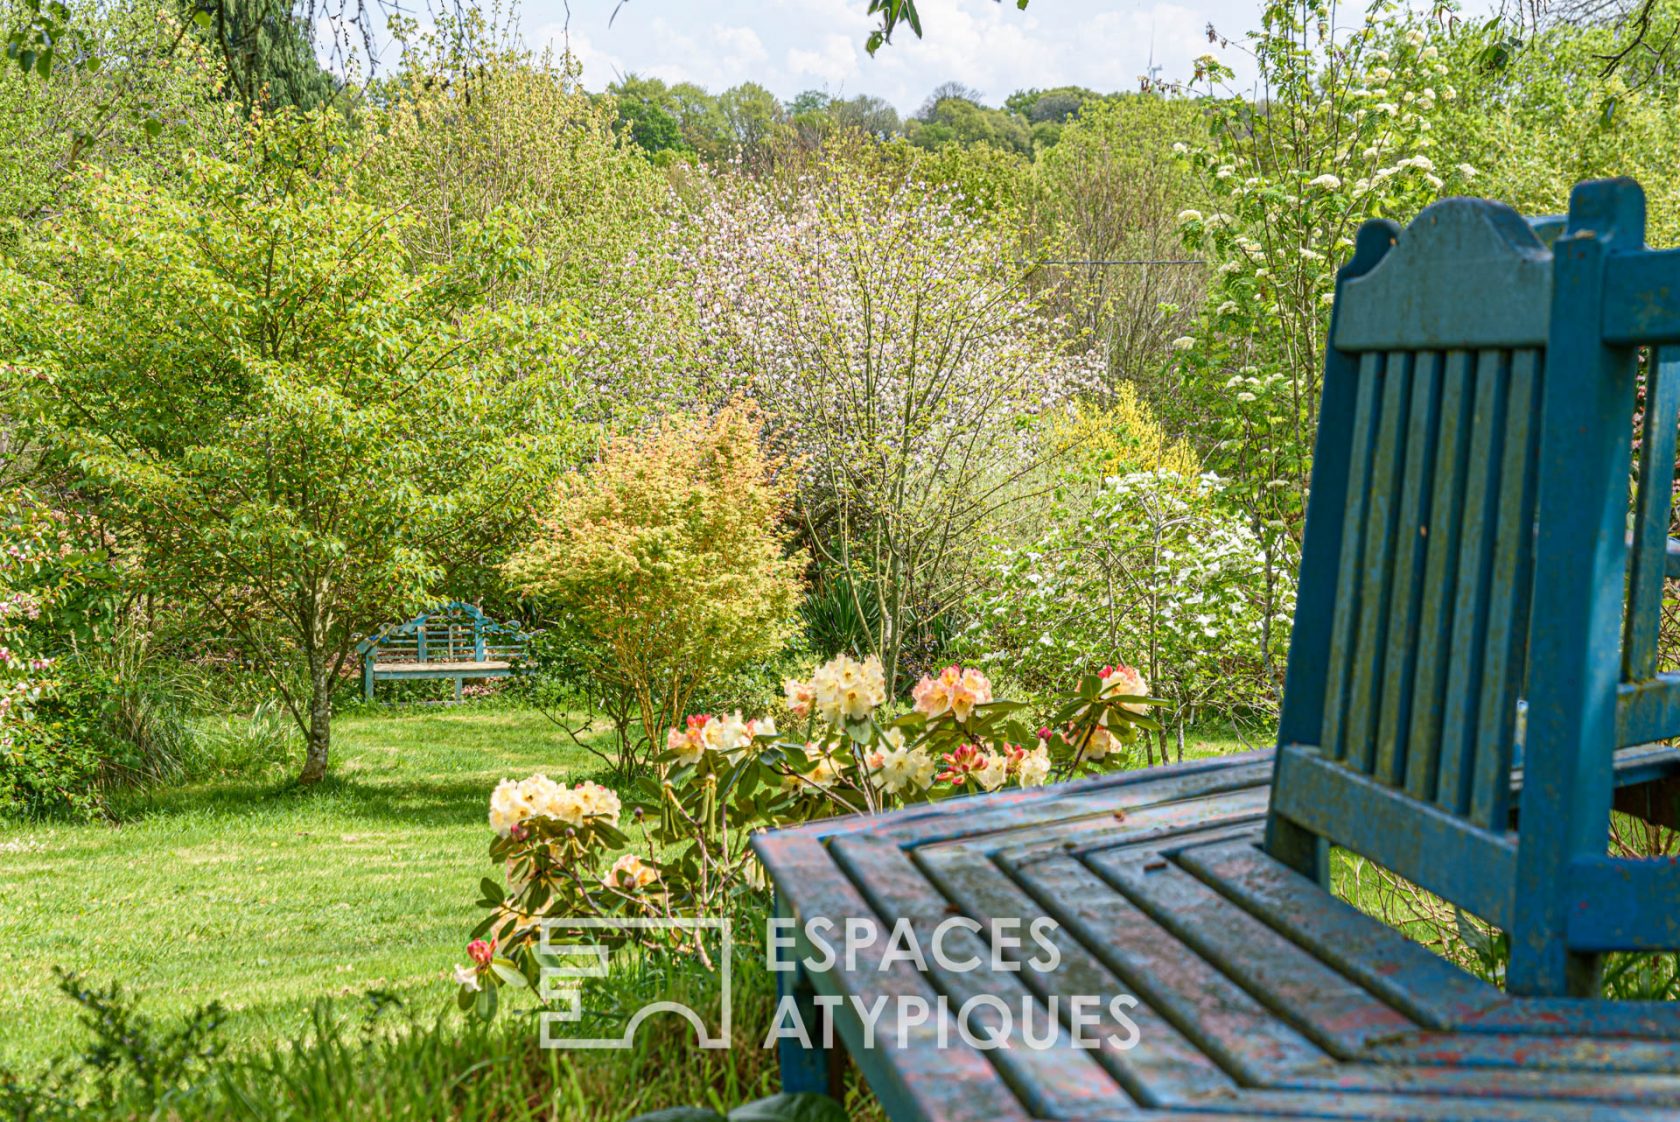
{"points": [[1466, 546], [453, 641], [1650, 557], [1575, 661]]}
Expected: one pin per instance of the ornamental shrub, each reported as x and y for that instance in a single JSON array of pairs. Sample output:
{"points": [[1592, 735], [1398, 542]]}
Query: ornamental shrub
{"points": [[1152, 564], [55, 589], [667, 564], [727, 778]]}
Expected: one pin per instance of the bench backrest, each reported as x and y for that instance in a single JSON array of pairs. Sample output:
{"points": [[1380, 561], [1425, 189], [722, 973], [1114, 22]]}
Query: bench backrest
{"points": [[452, 632], [1466, 545]]}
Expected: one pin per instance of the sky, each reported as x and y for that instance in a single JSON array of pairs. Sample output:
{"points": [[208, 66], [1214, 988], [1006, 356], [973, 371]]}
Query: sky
{"points": [[794, 45]]}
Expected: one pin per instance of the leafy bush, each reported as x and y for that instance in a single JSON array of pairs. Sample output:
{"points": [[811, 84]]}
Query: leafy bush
{"points": [[396, 412], [665, 568], [1151, 563], [56, 589], [728, 778], [132, 1066]]}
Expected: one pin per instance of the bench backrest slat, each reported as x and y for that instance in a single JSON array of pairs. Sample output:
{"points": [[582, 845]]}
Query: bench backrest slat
{"points": [[1653, 506], [1470, 547], [1431, 611], [1417, 569], [453, 632]]}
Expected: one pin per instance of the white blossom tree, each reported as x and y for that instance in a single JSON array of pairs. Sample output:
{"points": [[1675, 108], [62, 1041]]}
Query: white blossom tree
{"points": [[883, 325]]}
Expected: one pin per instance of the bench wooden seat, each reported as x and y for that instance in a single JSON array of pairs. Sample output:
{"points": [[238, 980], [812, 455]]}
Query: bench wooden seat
{"points": [[455, 641], [1466, 547]]}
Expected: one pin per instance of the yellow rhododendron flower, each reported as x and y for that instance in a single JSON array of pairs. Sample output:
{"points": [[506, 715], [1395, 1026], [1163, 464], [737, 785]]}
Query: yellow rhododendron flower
{"points": [[1034, 767], [508, 807]]}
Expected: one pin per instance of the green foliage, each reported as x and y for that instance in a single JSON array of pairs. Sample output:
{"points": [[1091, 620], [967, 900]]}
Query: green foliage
{"points": [[322, 422], [1537, 114], [474, 133], [151, 97], [894, 12], [1106, 199], [653, 129], [841, 615], [667, 560], [724, 779], [1346, 135], [376, 1055], [1149, 567], [1055, 106], [268, 49], [131, 1065], [956, 120], [752, 113], [57, 591]]}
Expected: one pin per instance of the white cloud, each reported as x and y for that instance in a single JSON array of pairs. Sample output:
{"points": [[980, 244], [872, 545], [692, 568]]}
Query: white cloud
{"points": [[835, 60], [792, 45], [741, 46]]}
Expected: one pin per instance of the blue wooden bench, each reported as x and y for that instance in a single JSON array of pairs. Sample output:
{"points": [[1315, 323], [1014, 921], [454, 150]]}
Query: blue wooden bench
{"points": [[454, 641], [1467, 547]]}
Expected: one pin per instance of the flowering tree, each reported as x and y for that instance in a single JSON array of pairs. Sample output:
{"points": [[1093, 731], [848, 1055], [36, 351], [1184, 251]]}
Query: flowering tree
{"points": [[1340, 130], [666, 560], [1152, 563], [871, 319]]}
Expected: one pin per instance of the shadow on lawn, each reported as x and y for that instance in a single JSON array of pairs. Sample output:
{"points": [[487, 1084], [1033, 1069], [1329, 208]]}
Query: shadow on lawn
{"points": [[413, 802]]}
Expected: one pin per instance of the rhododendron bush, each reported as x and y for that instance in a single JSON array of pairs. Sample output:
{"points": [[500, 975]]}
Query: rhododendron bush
{"points": [[562, 855]]}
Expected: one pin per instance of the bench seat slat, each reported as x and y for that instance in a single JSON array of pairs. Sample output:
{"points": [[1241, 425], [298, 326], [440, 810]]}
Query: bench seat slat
{"points": [[922, 1083], [1336, 1013], [1245, 1038], [1472, 1083], [1165, 1068], [1427, 987], [1057, 1081]]}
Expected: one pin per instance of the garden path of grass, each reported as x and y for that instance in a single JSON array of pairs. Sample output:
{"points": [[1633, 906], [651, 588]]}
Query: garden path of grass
{"points": [[266, 897]]}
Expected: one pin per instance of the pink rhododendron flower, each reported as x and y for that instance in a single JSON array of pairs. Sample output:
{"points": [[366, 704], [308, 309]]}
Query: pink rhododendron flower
{"points": [[955, 691]]}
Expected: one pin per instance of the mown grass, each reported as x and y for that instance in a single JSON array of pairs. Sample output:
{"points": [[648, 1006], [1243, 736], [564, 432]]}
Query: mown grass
{"points": [[269, 900], [263, 896]]}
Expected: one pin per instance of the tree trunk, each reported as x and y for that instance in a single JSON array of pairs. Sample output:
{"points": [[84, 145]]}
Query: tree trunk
{"points": [[320, 727]]}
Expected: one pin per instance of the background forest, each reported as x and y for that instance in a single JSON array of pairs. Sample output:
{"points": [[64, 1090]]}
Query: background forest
{"points": [[703, 389]]}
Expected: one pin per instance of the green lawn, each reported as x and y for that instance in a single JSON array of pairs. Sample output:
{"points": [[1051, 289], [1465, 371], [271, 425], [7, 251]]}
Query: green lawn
{"points": [[266, 897]]}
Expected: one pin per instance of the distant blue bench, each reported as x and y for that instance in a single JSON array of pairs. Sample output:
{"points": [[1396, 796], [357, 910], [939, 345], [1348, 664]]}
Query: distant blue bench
{"points": [[455, 641], [1467, 546]]}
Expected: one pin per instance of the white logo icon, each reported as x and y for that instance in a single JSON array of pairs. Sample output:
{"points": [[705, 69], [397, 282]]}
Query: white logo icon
{"points": [[563, 984]]}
